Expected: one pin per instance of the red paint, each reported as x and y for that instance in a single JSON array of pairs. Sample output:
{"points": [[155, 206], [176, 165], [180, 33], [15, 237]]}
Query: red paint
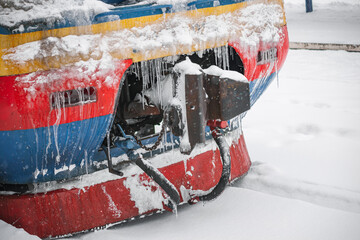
{"points": [[216, 124], [249, 56], [22, 110], [68, 211]]}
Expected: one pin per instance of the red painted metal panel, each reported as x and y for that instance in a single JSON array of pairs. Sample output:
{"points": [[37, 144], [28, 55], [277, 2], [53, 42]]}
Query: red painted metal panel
{"points": [[25, 100], [68, 211], [249, 56]]}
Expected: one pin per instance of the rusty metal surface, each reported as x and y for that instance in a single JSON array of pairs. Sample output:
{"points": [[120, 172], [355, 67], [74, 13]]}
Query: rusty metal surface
{"points": [[207, 97], [195, 108], [138, 109], [228, 98]]}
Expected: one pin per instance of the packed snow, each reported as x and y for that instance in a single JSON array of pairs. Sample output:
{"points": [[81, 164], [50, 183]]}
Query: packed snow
{"points": [[314, 119], [8, 232], [258, 22], [15, 12], [332, 21], [303, 138], [222, 74]]}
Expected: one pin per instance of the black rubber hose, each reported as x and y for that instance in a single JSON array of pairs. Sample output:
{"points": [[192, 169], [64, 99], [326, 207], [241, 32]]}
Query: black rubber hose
{"points": [[151, 171], [158, 177], [226, 169]]}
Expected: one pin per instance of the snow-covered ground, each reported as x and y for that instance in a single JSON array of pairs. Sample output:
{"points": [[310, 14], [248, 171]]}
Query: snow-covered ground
{"points": [[303, 138], [332, 21]]}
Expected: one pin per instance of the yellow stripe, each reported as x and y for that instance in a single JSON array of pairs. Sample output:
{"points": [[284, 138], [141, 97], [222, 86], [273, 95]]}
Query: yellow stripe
{"points": [[10, 41]]}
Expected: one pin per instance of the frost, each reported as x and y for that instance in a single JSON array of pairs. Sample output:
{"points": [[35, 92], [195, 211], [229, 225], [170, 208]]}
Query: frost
{"points": [[265, 178], [13, 12], [64, 168], [188, 67], [188, 194], [112, 205], [251, 26], [162, 93], [38, 172], [216, 71], [81, 74], [146, 194]]}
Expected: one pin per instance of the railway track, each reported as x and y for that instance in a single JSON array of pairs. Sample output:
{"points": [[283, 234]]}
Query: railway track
{"points": [[325, 46]]}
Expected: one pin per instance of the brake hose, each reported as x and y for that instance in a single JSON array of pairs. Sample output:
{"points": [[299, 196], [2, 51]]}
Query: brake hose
{"points": [[226, 168]]}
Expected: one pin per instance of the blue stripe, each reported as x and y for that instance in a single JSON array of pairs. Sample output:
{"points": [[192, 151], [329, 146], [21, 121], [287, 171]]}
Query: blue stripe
{"points": [[149, 9], [258, 86], [25, 152]]}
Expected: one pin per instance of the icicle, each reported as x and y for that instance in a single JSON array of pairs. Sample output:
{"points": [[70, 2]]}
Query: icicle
{"points": [[172, 141], [145, 72], [175, 210], [222, 57], [277, 74], [82, 99], [226, 57], [47, 146], [86, 162], [59, 103], [37, 144], [216, 56], [165, 138]]}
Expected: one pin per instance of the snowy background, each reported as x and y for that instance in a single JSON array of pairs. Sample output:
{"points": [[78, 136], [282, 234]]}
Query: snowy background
{"points": [[303, 137]]}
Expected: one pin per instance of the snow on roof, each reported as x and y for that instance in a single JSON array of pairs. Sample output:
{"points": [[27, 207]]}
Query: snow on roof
{"points": [[14, 12], [249, 26], [216, 71]]}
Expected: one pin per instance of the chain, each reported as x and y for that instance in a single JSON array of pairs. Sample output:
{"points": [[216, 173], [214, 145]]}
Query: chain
{"points": [[158, 141]]}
